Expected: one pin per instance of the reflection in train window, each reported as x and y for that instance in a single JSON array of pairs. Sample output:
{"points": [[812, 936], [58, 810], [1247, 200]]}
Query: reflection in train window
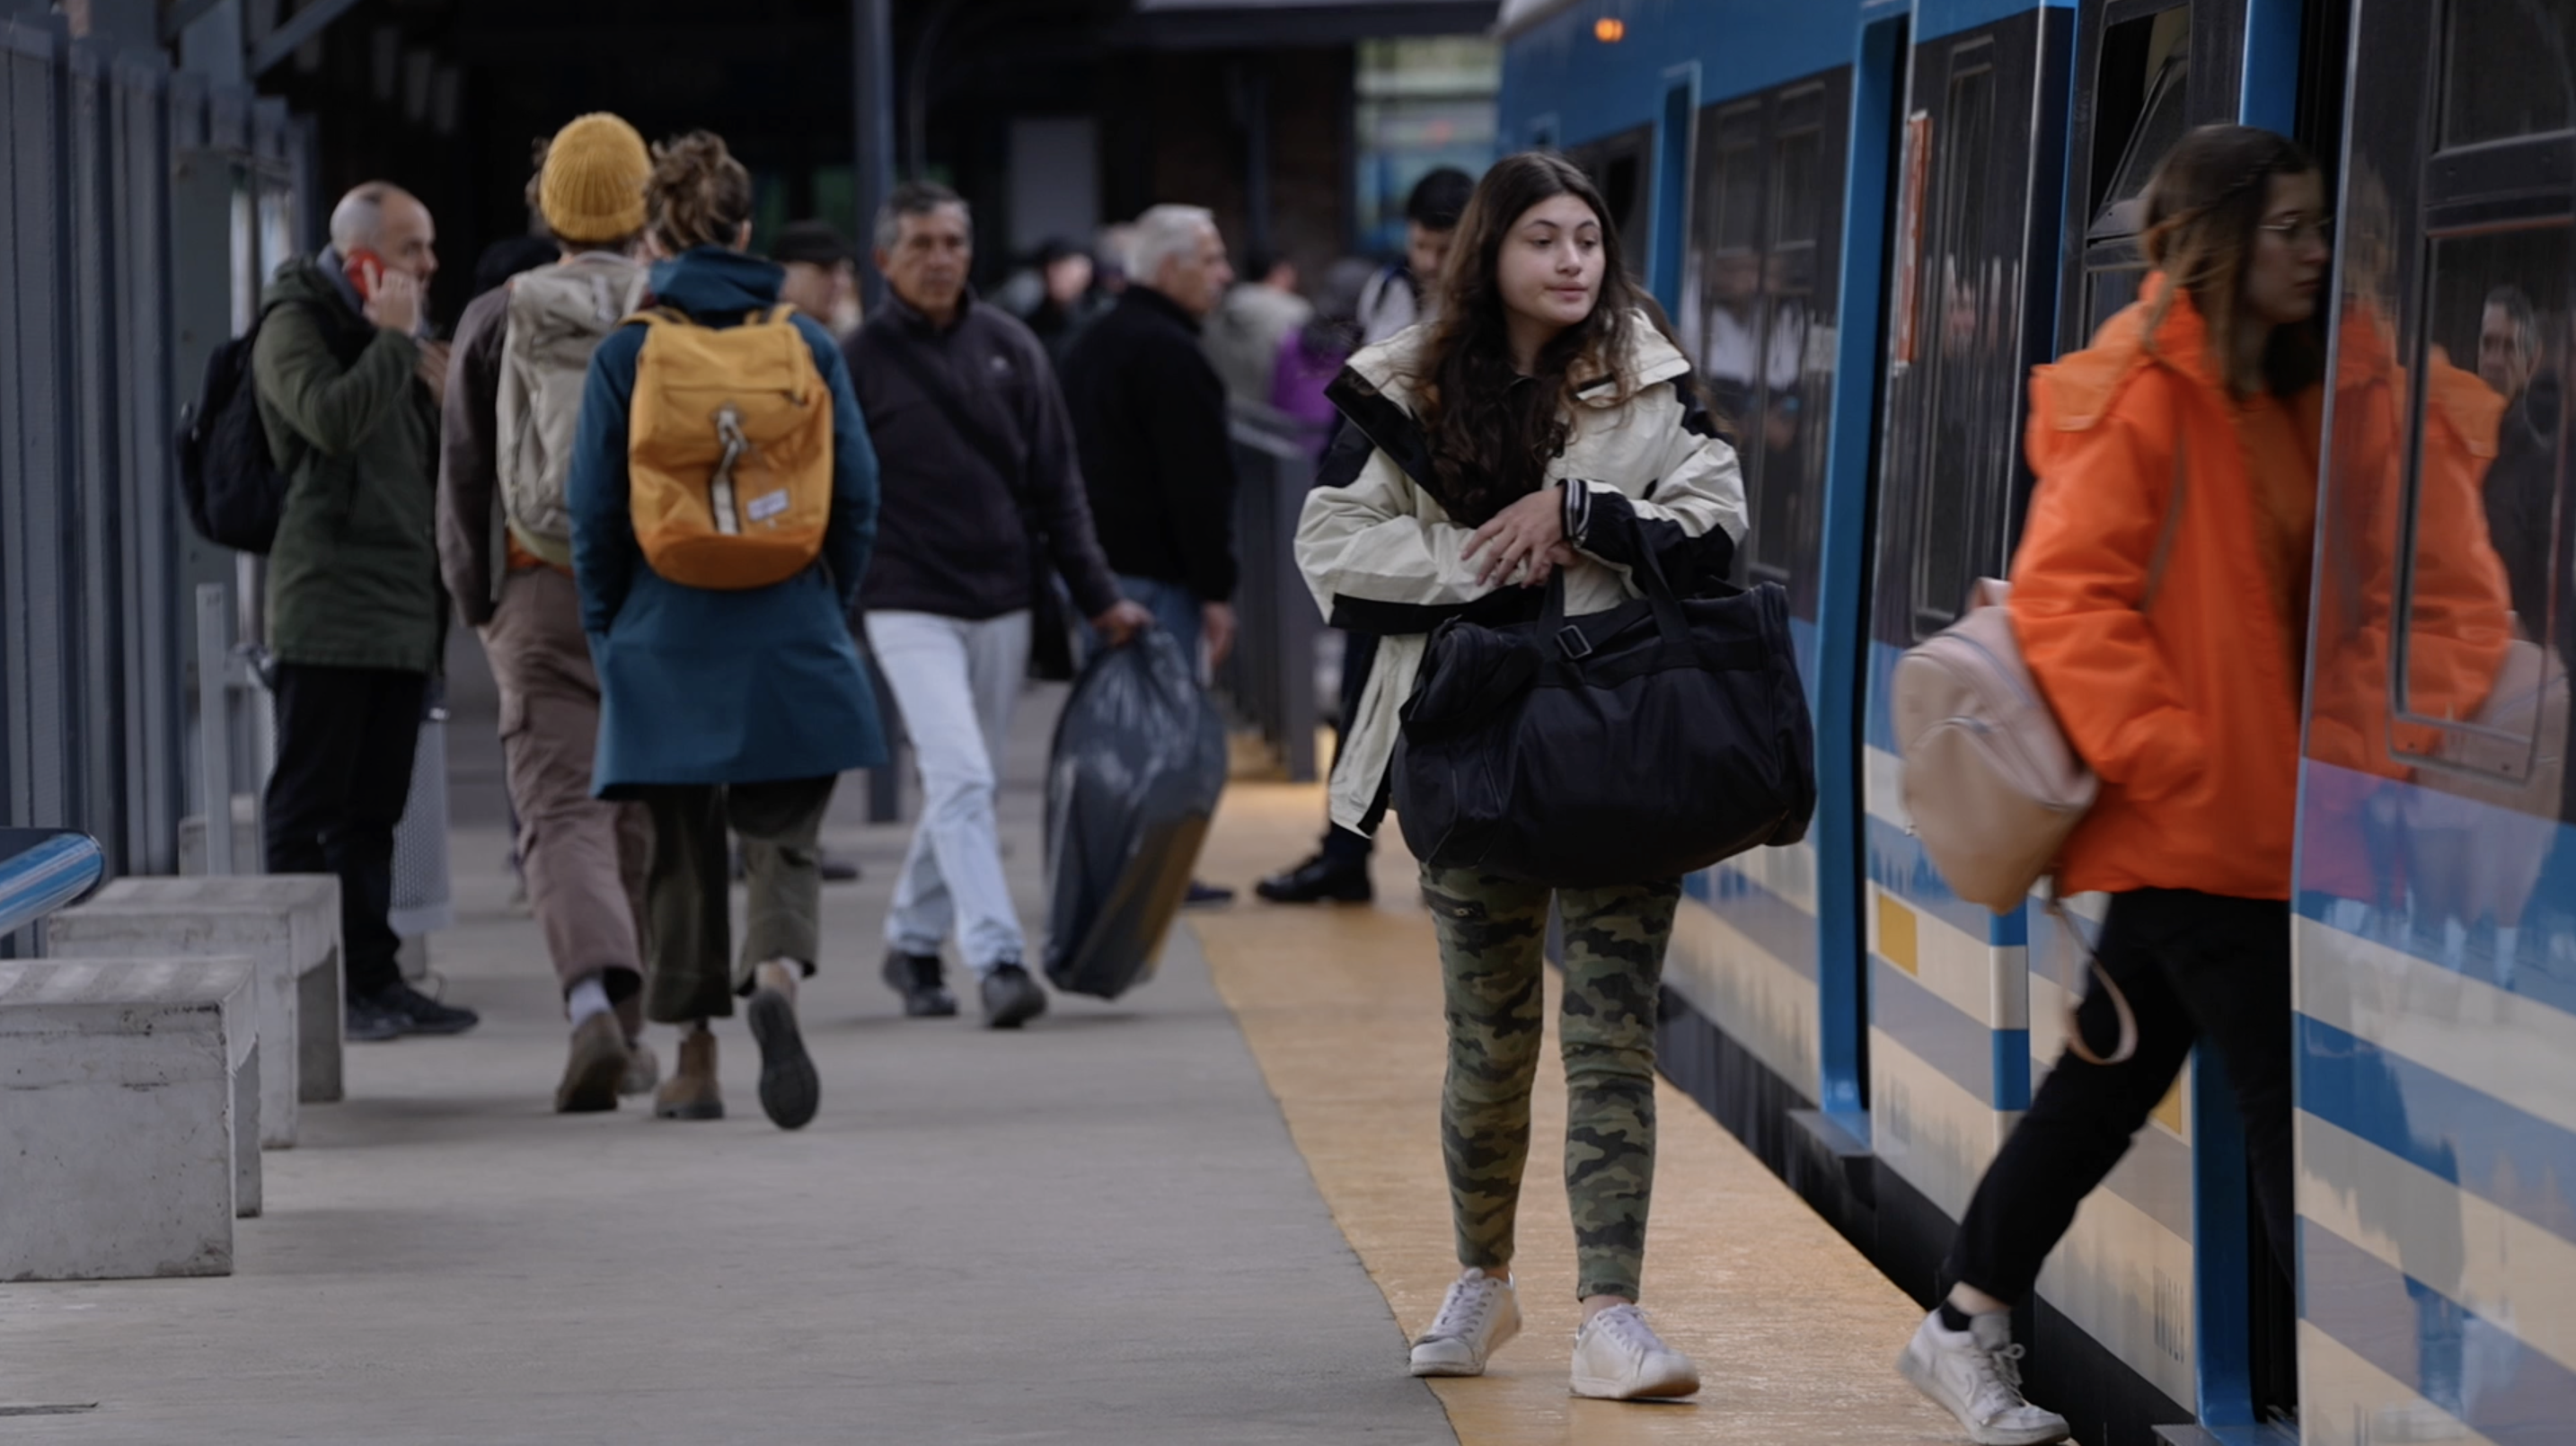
{"points": [[2487, 537], [2508, 70], [2114, 264], [1738, 190], [1757, 308], [1617, 165], [1966, 310]]}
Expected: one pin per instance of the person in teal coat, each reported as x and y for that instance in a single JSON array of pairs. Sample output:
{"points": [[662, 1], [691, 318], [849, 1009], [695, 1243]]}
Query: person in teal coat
{"points": [[723, 711]]}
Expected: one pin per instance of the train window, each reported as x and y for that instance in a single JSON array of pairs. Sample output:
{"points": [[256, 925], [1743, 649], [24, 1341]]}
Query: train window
{"points": [[1794, 161], [1739, 179], [2498, 75], [1618, 167], [2142, 101], [1729, 318], [2487, 531], [1792, 441], [1756, 309], [1964, 313]]}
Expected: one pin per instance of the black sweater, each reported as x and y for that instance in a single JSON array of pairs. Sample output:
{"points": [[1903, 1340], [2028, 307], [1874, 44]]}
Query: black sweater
{"points": [[950, 539], [1150, 414]]}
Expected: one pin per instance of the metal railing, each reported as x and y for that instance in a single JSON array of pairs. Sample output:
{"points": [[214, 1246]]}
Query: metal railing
{"points": [[1270, 679], [144, 205]]}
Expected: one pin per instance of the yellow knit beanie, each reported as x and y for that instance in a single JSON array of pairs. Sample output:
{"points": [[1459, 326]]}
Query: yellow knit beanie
{"points": [[592, 188]]}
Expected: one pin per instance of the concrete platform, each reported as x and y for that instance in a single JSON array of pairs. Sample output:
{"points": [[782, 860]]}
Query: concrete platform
{"points": [[1101, 1230], [1095, 1231]]}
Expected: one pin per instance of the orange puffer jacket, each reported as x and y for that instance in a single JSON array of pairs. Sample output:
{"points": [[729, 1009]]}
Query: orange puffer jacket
{"points": [[2189, 713]]}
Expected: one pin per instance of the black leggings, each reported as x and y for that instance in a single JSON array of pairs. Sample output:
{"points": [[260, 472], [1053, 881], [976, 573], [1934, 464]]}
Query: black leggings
{"points": [[2193, 966]]}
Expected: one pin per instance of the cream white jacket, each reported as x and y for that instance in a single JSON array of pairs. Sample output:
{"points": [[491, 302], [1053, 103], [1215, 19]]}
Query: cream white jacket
{"points": [[1382, 556]]}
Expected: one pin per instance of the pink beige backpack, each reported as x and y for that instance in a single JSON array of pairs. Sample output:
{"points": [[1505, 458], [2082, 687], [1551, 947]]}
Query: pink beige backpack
{"points": [[1991, 784]]}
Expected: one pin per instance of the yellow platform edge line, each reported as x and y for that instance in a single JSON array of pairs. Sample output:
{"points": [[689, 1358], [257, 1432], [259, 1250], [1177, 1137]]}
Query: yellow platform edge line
{"points": [[1795, 1332]]}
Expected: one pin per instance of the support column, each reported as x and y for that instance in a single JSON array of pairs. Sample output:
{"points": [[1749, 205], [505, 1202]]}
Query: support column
{"points": [[872, 91]]}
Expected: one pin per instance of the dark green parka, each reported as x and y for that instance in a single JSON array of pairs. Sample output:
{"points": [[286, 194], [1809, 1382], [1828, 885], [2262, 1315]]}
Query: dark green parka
{"points": [[353, 578]]}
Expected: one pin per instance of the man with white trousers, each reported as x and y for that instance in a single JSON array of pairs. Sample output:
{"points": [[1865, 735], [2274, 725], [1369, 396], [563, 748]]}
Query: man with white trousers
{"points": [[982, 506]]}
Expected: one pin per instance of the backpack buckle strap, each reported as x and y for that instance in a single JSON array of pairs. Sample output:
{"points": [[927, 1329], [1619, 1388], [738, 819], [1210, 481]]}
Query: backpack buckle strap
{"points": [[1571, 642]]}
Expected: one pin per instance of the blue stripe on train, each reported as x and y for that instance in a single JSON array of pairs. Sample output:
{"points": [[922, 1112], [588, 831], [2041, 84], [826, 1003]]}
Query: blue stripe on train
{"points": [[2426, 1341], [2463, 1134], [1991, 1064], [1776, 926]]}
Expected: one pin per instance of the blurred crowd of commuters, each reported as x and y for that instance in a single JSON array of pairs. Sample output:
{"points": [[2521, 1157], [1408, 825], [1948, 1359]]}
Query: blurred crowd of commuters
{"points": [[1010, 482]]}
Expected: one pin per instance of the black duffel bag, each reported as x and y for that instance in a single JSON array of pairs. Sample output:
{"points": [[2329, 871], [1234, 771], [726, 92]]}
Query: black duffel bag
{"points": [[1645, 742]]}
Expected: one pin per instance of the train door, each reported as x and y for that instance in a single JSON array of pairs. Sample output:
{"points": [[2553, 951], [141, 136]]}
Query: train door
{"points": [[1617, 165], [2436, 916], [1758, 310], [1973, 306], [2177, 1211]]}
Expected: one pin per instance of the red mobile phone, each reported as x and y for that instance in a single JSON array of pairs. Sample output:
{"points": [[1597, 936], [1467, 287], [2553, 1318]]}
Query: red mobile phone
{"points": [[363, 266]]}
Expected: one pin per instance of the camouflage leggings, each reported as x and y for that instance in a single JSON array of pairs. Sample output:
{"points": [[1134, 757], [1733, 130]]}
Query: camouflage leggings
{"points": [[1492, 934]]}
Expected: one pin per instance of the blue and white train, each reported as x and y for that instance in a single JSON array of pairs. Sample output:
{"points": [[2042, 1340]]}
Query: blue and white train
{"points": [[1868, 220]]}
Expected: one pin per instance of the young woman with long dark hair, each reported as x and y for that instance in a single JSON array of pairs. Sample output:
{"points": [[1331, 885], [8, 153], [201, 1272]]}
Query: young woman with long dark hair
{"points": [[1518, 437], [2184, 437]]}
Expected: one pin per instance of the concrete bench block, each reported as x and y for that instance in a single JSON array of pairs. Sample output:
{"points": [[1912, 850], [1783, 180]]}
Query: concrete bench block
{"points": [[288, 923], [129, 1105]]}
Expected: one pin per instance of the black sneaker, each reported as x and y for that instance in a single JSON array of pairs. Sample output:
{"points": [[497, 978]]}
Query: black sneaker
{"points": [[1205, 896], [369, 1022], [1319, 879], [789, 1090], [1011, 997], [421, 1014], [918, 978]]}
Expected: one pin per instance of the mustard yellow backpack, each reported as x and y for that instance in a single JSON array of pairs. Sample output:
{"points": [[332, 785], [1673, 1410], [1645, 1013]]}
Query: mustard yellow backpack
{"points": [[729, 451]]}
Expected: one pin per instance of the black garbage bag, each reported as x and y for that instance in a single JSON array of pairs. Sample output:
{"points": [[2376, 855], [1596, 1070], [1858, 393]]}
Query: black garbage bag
{"points": [[1138, 763]]}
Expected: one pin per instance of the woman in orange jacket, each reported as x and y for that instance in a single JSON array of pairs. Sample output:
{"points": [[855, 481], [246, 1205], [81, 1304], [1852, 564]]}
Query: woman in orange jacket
{"points": [[2180, 448]]}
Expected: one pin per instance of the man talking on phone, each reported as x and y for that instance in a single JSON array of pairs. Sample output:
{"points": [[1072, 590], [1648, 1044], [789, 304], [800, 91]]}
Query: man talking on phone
{"points": [[349, 392]]}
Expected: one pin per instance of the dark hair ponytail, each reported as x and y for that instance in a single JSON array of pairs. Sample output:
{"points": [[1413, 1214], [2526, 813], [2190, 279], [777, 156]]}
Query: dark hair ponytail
{"points": [[700, 195]]}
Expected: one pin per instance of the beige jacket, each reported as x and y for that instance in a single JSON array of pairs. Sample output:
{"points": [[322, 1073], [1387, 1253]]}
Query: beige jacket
{"points": [[1381, 554]]}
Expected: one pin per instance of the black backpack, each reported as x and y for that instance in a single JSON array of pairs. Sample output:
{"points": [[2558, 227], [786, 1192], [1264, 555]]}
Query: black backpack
{"points": [[234, 489]]}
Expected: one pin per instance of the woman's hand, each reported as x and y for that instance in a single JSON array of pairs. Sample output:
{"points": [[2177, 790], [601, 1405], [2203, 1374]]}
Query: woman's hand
{"points": [[1524, 542]]}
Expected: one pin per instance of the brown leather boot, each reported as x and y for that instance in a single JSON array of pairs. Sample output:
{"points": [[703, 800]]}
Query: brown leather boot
{"points": [[691, 1093], [599, 1057]]}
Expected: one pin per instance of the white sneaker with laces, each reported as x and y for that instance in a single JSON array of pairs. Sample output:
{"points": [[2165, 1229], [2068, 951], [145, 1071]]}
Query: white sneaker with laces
{"points": [[1977, 1374], [1618, 1357], [1476, 1318]]}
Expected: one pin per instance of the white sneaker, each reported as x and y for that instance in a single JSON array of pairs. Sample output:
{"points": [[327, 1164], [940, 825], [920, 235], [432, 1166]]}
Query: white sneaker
{"points": [[1977, 1374], [1476, 1318], [1618, 1357]]}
